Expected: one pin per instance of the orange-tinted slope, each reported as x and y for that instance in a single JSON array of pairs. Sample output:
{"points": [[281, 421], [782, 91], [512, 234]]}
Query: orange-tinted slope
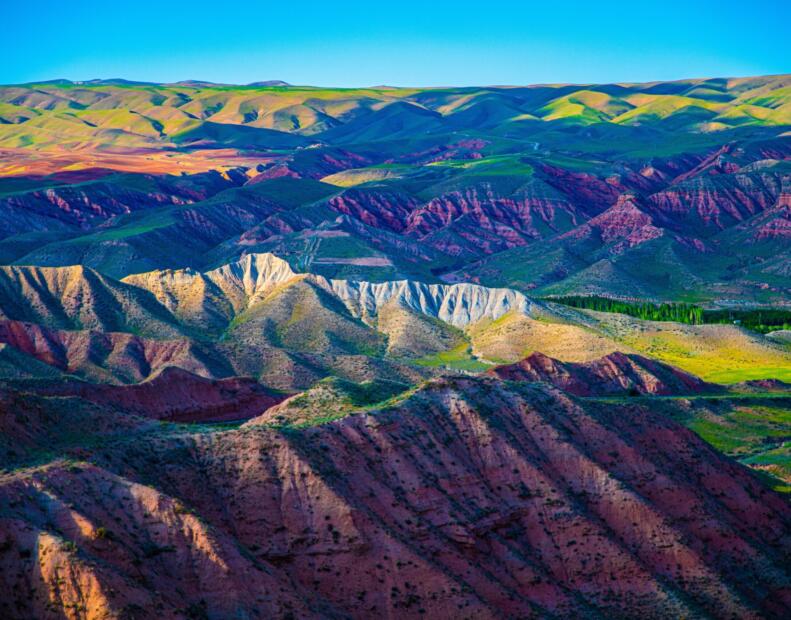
{"points": [[15, 162]]}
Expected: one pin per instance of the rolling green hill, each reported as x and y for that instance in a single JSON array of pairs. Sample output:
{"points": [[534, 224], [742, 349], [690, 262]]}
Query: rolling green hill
{"points": [[66, 114]]}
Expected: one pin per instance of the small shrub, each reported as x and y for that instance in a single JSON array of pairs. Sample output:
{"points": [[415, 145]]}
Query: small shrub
{"points": [[102, 533]]}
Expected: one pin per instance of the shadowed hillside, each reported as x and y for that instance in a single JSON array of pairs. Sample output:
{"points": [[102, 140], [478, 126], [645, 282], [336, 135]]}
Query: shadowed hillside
{"points": [[465, 497]]}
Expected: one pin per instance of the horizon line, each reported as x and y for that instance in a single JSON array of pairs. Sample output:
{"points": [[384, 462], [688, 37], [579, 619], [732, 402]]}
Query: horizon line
{"points": [[277, 83]]}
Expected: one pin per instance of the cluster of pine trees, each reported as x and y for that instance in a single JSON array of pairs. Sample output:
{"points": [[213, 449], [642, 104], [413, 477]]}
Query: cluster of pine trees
{"points": [[761, 320], [678, 312]]}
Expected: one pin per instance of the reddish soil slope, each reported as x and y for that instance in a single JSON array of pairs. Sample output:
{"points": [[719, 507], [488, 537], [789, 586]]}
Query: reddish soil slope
{"points": [[613, 374], [469, 499], [177, 395]]}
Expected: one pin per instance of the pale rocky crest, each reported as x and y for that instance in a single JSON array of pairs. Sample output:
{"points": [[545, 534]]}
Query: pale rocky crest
{"points": [[221, 293], [459, 305], [251, 278], [232, 288]]}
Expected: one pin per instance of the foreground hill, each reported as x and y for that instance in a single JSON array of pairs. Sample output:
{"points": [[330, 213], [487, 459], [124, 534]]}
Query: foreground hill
{"points": [[468, 497]]}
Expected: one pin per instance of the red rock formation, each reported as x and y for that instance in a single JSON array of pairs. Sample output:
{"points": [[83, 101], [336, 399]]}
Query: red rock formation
{"points": [[778, 224], [109, 356], [380, 209], [624, 221], [177, 395], [463, 149], [714, 162], [307, 165], [105, 547], [590, 193], [276, 171], [613, 374], [85, 205], [714, 203], [484, 219]]}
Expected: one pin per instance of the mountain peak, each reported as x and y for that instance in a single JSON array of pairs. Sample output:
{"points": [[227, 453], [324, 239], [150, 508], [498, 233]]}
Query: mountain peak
{"points": [[269, 83]]}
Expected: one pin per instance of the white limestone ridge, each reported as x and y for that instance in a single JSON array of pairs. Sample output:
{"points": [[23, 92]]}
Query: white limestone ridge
{"points": [[248, 280], [456, 304], [242, 282], [252, 276]]}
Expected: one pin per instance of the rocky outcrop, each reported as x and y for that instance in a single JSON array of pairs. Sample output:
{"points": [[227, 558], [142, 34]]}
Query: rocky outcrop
{"points": [[215, 297], [80, 298], [463, 149], [234, 320], [312, 165], [238, 286], [616, 374], [250, 278], [713, 203], [779, 228], [456, 304], [588, 192], [514, 216], [95, 545], [623, 223]]}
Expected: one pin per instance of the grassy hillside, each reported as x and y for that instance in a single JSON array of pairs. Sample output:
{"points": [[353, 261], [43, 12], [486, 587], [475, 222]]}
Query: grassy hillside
{"points": [[100, 115]]}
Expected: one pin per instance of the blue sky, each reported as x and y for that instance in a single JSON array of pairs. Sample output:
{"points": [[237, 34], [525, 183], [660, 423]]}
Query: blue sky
{"points": [[397, 43]]}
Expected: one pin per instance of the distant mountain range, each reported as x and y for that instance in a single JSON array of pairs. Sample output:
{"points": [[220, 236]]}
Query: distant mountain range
{"points": [[672, 190]]}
